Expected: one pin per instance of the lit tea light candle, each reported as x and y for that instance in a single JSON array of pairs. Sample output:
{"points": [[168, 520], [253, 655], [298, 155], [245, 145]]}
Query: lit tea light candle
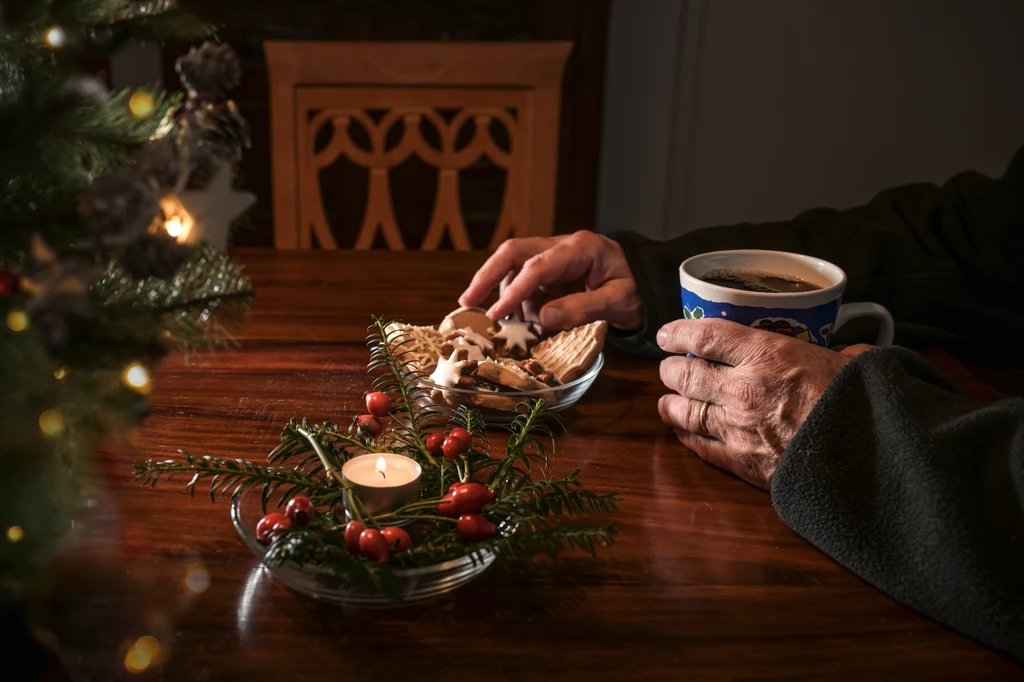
{"points": [[383, 482]]}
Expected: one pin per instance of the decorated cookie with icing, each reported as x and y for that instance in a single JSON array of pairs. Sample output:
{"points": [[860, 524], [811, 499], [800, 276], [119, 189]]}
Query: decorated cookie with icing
{"points": [[474, 353], [509, 375], [514, 339], [454, 371]]}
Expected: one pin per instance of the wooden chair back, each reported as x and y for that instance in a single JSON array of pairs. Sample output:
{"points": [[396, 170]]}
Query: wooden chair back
{"points": [[396, 91]]}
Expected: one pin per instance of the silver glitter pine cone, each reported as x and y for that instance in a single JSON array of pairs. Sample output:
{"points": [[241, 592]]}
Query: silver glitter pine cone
{"points": [[159, 164], [223, 129], [117, 209], [209, 71]]}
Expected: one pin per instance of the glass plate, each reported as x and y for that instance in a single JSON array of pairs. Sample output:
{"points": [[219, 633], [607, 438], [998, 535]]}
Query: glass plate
{"points": [[418, 584], [558, 397]]}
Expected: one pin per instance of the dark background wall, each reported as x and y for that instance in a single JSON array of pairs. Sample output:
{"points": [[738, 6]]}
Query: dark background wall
{"points": [[774, 107], [246, 24]]}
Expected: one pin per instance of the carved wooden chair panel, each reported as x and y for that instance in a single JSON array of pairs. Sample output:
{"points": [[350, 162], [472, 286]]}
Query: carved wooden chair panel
{"points": [[448, 105]]}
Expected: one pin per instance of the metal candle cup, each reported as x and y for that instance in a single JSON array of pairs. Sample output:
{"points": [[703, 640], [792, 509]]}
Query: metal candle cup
{"points": [[382, 481]]}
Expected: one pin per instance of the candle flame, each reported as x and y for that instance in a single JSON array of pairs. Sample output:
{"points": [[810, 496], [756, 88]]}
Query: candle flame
{"points": [[381, 466]]}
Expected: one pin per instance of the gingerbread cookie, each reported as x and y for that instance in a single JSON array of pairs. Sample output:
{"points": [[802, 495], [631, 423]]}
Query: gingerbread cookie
{"points": [[571, 353], [513, 339], [473, 319], [420, 345], [509, 375], [495, 401], [536, 369], [478, 345], [454, 371]]}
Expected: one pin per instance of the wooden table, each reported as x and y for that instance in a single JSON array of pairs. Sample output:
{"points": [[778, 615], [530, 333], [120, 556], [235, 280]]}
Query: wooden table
{"points": [[705, 582]]}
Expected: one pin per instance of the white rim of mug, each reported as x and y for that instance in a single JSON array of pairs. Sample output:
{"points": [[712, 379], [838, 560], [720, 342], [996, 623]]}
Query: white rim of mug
{"points": [[761, 299]]}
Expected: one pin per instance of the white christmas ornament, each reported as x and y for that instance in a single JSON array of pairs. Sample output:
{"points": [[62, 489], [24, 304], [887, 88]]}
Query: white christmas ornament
{"points": [[213, 209]]}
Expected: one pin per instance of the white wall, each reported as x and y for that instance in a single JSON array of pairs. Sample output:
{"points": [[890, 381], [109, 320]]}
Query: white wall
{"points": [[800, 103]]}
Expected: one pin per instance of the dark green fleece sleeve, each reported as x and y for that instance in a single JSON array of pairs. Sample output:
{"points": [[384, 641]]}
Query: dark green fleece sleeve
{"points": [[918, 490], [947, 261]]}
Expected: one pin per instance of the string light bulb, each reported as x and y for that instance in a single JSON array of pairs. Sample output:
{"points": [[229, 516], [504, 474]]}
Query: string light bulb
{"points": [[51, 423], [177, 221], [174, 227], [17, 320], [141, 104], [142, 654], [15, 534], [136, 377], [60, 373], [55, 37]]}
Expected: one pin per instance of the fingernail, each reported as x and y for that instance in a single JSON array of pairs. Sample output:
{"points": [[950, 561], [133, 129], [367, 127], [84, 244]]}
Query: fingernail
{"points": [[662, 338], [552, 318]]}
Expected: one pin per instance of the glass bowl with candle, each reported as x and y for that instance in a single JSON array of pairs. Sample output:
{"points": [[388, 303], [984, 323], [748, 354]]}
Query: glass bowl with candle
{"points": [[418, 585]]}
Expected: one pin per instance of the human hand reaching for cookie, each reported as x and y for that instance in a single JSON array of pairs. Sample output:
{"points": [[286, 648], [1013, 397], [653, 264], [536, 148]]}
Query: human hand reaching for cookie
{"points": [[559, 282], [741, 410]]}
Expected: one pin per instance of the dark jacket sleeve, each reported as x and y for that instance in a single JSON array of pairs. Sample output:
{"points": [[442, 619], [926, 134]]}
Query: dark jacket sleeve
{"points": [[947, 261], [918, 490]]}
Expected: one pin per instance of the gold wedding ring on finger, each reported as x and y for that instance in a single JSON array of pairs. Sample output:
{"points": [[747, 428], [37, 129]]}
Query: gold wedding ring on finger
{"points": [[703, 419]]}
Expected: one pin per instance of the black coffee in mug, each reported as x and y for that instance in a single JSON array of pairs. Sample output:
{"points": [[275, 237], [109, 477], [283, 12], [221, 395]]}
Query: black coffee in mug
{"points": [[759, 281]]}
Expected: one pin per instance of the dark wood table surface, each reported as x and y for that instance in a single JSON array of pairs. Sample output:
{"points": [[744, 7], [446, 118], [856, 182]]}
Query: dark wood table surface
{"points": [[704, 582]]}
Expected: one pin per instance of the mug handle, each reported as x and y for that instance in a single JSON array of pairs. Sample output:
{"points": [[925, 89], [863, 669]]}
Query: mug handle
{"points": [[849, 311]]}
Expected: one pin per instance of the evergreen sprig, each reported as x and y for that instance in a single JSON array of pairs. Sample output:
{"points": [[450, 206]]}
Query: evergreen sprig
{"points": [[234, 476], [397, 376]]}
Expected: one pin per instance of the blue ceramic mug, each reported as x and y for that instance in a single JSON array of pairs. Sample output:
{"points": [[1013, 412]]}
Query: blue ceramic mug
{"points": [[813, 315]]}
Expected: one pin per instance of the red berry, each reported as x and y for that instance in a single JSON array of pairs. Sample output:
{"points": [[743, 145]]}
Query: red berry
{"points": [[398, 539], [474, 527], [446, 508], [300, 510], [453, 447], [470, 498], [434, 442], [453, 486], [463, 435], [8, 283], [369, 425], [378, 404], [352, 531], [270, 523], [373, 545]]}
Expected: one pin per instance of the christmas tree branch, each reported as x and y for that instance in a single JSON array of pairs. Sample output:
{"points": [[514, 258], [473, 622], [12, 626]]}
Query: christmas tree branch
{"points": [[194, 309]]}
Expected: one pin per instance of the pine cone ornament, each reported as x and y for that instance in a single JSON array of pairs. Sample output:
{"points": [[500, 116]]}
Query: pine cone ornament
{"points": [[209, 71], [159, 165], [223, 130], [157, 256], [203, 164], [117, 209]]}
